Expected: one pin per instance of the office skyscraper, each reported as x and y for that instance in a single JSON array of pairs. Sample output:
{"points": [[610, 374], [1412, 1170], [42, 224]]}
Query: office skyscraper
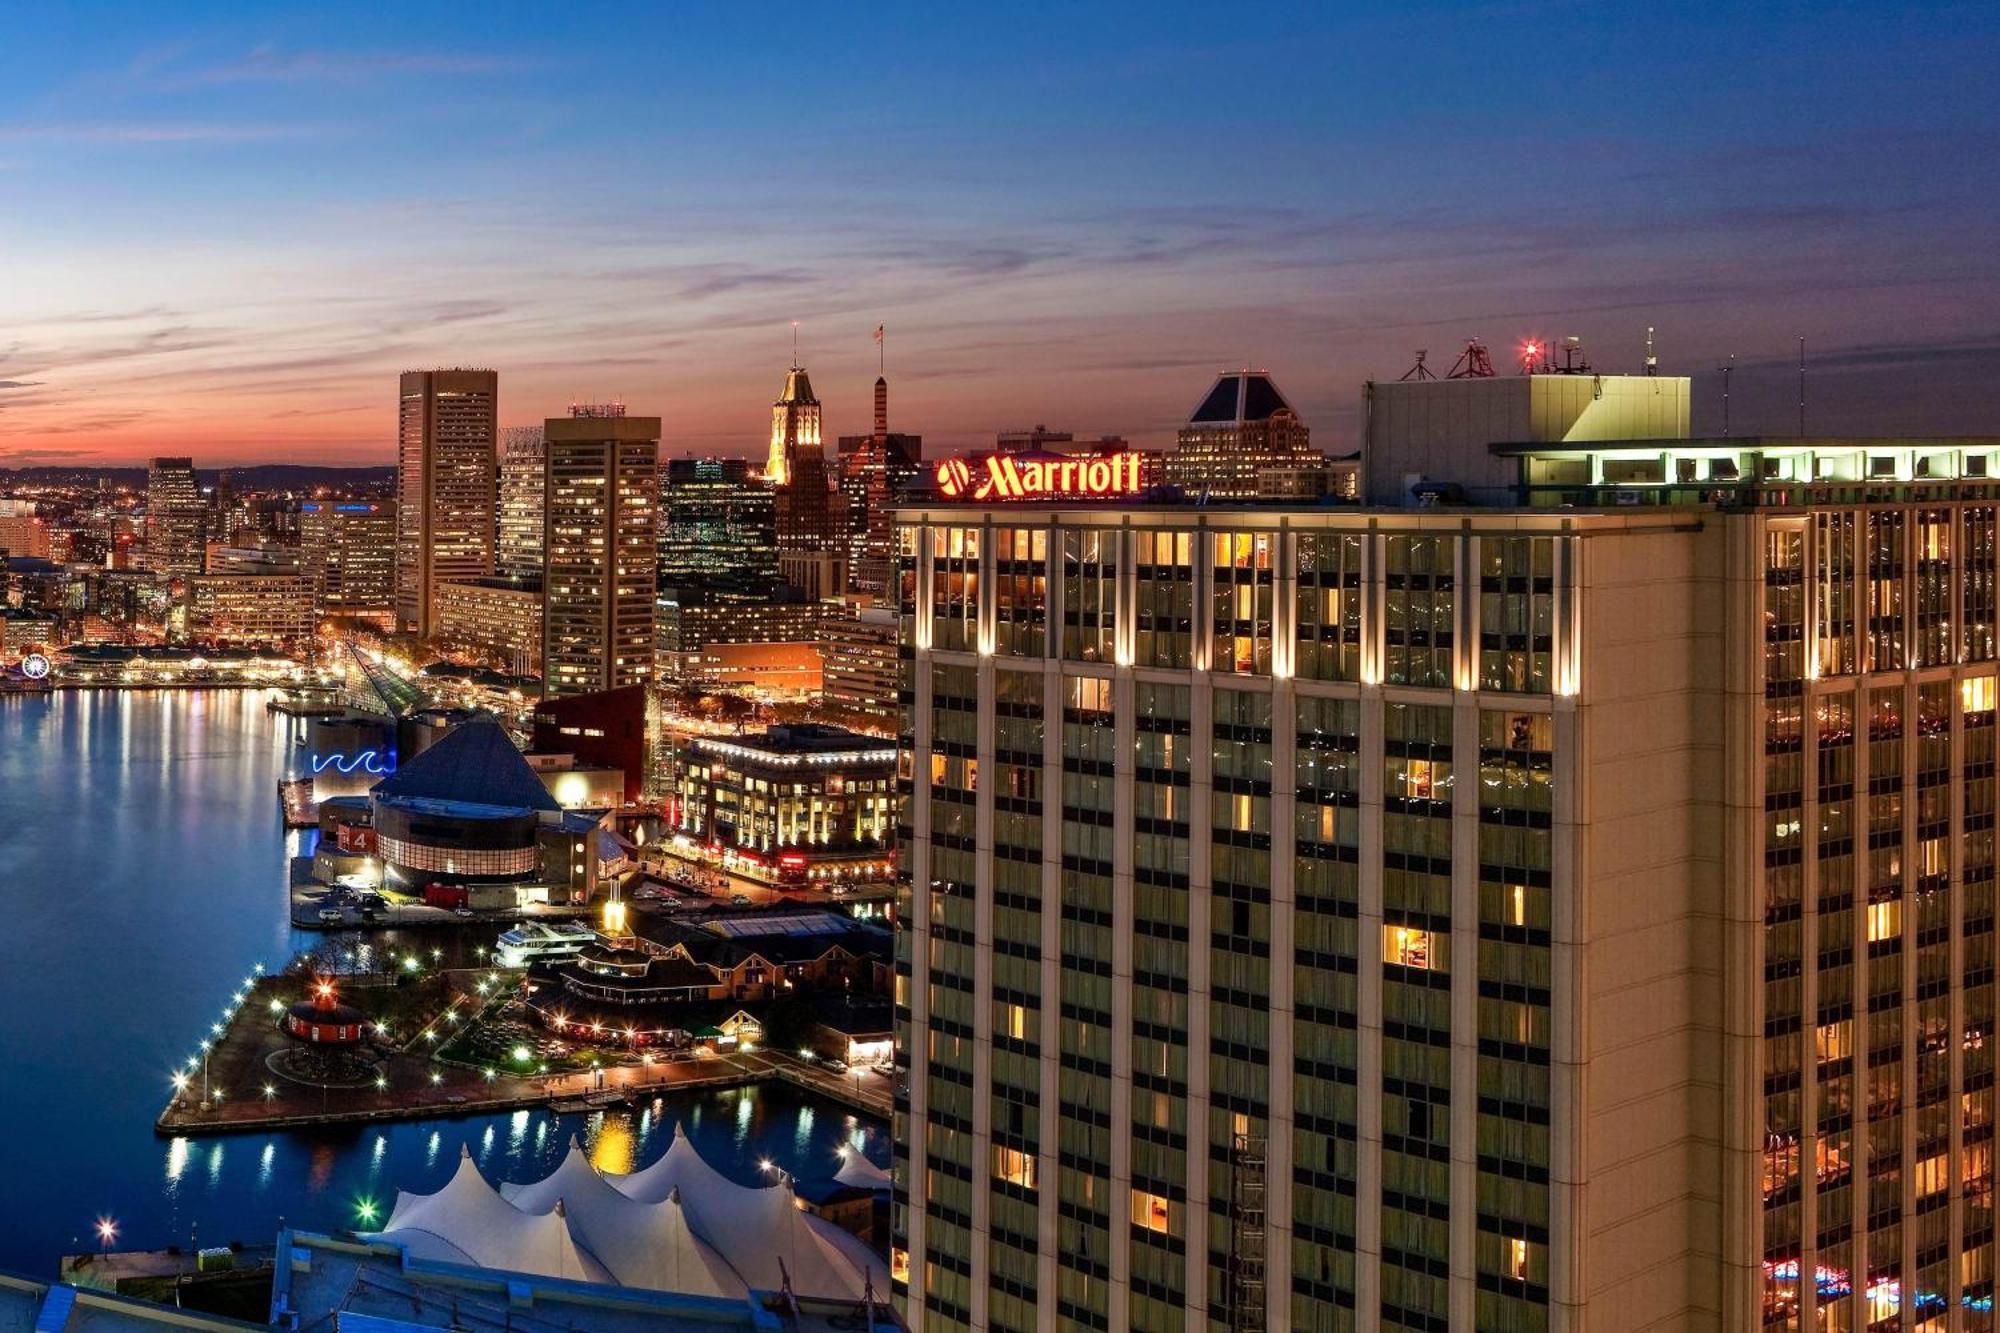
{"points": [[445, 486], [810, 554], [523, 466], [1241, 428], [873, 468], [175, 517], [718, 530], [1574, 909], [602, 494]]}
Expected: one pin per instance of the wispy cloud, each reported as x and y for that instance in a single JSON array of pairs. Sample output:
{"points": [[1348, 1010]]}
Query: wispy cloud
{"points": [[139, 135], [271, 64], [18, 384]]}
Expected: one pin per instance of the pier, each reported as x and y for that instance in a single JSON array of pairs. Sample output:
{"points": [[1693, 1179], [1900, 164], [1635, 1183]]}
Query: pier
{"points": [[239, 1084]]}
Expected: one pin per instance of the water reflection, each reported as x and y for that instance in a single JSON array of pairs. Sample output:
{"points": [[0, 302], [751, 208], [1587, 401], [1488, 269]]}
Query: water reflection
{"points": [[612, 1148]]}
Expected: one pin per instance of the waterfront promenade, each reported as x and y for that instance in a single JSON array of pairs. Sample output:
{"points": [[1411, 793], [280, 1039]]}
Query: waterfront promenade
{"points": [[241, 1086], [303, 1107]]}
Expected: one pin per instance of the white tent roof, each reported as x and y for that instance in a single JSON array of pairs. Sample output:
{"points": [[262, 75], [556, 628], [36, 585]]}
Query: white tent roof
{"points": [[857, 1172], [467, 1221], [679, 1225], [769, 1235], [642, 1245]]}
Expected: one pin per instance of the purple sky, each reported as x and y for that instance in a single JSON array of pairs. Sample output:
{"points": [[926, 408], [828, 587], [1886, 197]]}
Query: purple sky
{"points": [[226, 230]]}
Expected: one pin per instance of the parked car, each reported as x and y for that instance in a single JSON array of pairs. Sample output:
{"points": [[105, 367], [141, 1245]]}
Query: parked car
{"points": [[741, 900], [832, 1064]]}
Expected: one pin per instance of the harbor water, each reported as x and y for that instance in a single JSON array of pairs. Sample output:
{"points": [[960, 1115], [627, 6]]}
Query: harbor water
{"points": [[143, 875]]}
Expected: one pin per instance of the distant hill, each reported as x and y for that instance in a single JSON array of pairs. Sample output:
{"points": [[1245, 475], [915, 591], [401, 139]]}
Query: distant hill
{"points": [[256, 477]]}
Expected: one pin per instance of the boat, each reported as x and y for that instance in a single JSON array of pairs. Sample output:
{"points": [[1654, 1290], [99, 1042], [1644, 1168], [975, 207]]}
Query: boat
{"points": [[543, 941]]}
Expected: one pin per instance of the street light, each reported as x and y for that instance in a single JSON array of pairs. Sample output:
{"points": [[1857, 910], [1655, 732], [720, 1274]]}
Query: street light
{"points": [[107, 1232]]}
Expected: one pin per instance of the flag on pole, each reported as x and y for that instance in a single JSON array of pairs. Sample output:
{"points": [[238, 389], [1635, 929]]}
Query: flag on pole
{"points": [[878, 333]]}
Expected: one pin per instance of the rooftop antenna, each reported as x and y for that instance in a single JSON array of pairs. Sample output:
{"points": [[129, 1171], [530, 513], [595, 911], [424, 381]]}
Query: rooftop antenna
{"points": [[1419, 371], [1728, 367], [1802, 387], [881, 350], [795, 344], [1473, 363], [1652, 361]]}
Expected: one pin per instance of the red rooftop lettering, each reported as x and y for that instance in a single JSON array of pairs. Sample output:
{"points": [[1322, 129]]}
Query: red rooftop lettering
{"points": [[1020, 477]]}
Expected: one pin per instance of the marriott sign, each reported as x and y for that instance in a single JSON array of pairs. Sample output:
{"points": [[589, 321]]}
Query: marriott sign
{"points": [[1040, 476]]}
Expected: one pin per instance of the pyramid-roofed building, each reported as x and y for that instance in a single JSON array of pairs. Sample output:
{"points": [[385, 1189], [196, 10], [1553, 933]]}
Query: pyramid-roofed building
{"points": [[678, 1225], [475, 763], [1242, 428], [1248, 395], [468, 808]]}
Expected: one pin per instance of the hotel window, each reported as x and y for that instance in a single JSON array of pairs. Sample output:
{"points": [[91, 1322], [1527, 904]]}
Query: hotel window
{"points": [[955, 589], [1836, 545], [1418, 615], [1413, 947], [1885, 921], [1516, 613], [1014, 1166], [1164, 632], [1976, 580], [1931, 609], [1089, 593], [1328, 607], [1149, 1211], [1241, 602], [1020, 591], [1887, 531]]}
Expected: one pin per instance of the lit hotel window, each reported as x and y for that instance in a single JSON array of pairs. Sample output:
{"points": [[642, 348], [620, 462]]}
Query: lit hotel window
{"points": [[1885, 921], [1517, 1259], [1975, 694], [1149, 1211], [1014, 1166], [1408, 946], [1017, 1022]]}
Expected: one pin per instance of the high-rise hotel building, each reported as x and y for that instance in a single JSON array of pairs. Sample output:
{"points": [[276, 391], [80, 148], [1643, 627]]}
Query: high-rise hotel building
{"points": [[445, 487], [1569, 910], [602, 505], [348, 548]]}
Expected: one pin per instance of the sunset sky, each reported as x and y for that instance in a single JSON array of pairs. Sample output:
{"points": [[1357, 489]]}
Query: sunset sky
{"points": [[224, 231]]}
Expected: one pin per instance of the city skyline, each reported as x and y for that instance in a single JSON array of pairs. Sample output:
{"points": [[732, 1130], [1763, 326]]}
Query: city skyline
{"points": [[226, 235]]}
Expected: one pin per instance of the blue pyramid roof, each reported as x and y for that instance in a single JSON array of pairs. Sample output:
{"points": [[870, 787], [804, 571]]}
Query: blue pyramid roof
{"points": [[475, 763]]}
